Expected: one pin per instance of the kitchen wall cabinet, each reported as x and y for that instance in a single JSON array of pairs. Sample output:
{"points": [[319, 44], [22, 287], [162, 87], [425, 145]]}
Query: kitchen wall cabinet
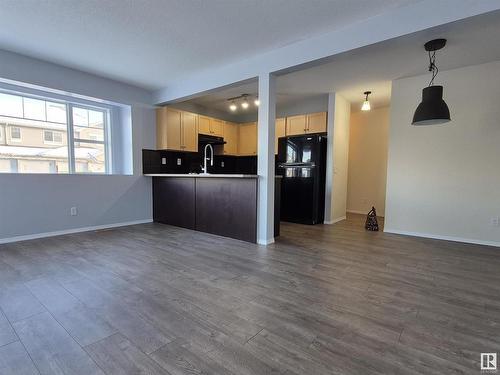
{"points": [[316, 122], [296, 125], [189, 132], [204, 125], [280, 132], [176, 130], [210, 126], [247, 139], [230, 135], [216, 127], [306, 124]]}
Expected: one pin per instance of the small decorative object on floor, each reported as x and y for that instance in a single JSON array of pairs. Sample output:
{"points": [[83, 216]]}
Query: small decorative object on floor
{"points": [[371, 220]]}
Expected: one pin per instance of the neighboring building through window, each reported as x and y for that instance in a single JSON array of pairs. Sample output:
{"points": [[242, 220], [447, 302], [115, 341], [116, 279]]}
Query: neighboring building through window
{"points": [[50, 136], [46, 135], [15, 134]]}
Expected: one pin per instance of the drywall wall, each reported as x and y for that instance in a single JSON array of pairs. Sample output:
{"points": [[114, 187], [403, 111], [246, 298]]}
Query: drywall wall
{"points": [[368, 144], [339, 111], [31, 205], [443, 181]]}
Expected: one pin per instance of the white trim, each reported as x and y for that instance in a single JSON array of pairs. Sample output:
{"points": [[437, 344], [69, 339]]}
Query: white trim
{"points": [[265, 241], [362, 213], [445, 238], [335, 220], [71, 231]]}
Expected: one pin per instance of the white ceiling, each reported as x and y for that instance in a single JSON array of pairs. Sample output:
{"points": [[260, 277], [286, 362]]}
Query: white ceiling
{"points": [[471, 41], [152, 42]]}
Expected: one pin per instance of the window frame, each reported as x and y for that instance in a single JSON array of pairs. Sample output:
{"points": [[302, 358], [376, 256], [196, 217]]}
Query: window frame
{"points": [[53, 142], [12, 139], [71, 141]]}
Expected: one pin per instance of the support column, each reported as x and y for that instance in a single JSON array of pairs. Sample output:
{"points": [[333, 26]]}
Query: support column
{"points": [[265, 158], [329, 160]]}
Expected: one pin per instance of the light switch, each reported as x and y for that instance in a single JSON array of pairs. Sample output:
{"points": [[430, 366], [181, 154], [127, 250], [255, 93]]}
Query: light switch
{"points": [[179, 161], [164, 161]]}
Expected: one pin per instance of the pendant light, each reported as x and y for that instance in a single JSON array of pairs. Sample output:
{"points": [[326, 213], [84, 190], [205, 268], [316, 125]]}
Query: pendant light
{"points": [[233, 106], [256, 102], [433, 109], [366, 104]]}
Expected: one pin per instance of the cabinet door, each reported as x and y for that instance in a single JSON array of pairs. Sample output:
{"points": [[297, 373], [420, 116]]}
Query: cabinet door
{"points": [[280, 132], [204, 125], [161, 128], [168, 128], [216, 127], [296, 125], [189, 132], [231, 138], [316, 122], [247, 139]]}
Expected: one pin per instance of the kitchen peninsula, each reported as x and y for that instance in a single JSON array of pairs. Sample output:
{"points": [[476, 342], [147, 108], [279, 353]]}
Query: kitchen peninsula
{"points": [[220, 204]]}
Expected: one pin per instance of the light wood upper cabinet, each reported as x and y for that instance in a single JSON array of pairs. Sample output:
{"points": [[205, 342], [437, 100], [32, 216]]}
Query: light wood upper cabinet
{"points": [[306, 124], [204, 125], [168, 128], [231, 138], [296, 125], [280, 132], [210, 126], [247, 139], [176, 130], [189, 132], [316, 122], [216, 127]]}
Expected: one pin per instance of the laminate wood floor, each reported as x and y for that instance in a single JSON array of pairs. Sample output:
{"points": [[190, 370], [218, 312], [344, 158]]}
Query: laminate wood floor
{"points": [[155, 299]]}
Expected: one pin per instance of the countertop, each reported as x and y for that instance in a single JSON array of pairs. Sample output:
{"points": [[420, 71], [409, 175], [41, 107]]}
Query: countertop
{"points": [[194, 175]]}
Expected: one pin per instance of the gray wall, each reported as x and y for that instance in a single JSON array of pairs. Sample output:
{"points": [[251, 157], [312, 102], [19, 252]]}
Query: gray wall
{"points": [[32, 204]]}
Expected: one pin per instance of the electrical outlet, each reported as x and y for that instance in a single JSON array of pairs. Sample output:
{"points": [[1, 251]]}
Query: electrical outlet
{"points": [[494, 221], [222, 164], [164, 161], [179, 161], [73, 211]]}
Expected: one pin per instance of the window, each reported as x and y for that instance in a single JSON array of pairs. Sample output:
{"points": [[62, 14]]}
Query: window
{"points": [[50, 136], [15, 134], [53, 136]]}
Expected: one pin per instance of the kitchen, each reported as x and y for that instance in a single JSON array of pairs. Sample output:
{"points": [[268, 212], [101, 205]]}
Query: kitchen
{"points": [[204, 170]]}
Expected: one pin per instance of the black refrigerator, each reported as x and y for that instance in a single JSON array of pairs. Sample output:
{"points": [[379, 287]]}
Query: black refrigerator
{"points": [[301, 162]]}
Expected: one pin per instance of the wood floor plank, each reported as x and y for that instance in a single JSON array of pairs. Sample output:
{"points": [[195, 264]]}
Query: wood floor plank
{"points": [[117, 355], [14, 360], [18, 303], [7, 334], [52, 348]]}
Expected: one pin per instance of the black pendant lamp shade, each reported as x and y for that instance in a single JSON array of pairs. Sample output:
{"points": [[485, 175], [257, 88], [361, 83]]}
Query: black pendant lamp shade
{"points": [[433, 109]]}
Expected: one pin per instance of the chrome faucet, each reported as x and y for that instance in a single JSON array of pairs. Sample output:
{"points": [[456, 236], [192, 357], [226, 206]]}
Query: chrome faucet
{"points": [[207, 146]]}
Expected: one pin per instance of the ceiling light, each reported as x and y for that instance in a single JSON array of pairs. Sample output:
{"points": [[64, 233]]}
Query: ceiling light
{"points": [[244, 104], [256, 102], [366, 104], [233, 107], [433, 109]]}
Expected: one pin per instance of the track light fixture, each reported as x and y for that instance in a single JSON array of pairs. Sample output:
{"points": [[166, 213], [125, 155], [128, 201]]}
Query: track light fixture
{"points": [[244, 99], [433, 109]]}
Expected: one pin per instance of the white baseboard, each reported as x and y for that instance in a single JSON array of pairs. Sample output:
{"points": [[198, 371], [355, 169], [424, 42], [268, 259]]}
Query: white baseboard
{"points": [[335, 220], [361, 212], [71, 231], [265, 241], [445, 238]]}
